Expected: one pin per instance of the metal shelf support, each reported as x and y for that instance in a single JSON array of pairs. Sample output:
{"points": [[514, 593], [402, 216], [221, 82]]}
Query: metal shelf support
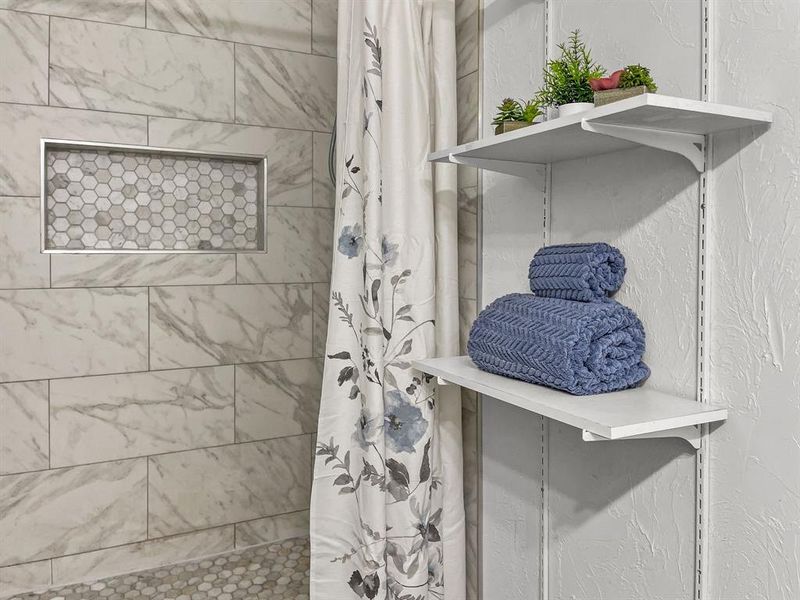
{"points": [[689, 145], [690, 433]]}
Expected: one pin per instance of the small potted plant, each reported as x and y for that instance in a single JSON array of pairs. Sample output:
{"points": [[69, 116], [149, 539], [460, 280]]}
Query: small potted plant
{"points": [[566, 79], [512, 114], [625, 83]]}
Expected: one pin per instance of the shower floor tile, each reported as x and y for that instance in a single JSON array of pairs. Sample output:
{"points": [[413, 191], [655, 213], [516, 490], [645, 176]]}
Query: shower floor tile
{"points": [[276, 571]]}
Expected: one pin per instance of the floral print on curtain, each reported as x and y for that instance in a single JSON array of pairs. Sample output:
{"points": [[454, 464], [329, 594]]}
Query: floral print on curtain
{"points": [[377, 499]]}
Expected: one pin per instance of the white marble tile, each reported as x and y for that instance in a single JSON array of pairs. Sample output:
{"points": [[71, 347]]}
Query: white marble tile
{"points": [[467, 255], [466, 37], [471, 489], [69, 333], [324, 190], [63, 511], [196, 326], [285, 89], [217, 486], [467, 312], [468, 199], [95, 419], [299, 248], [22, 264], [121, 12], [320, 306], [21, 128], [125, 69], [288, 152], [272, 529], [282, 24], [467, 176], [467, 90], [23, 427], [98, 270], [23, 46], [24, 578], [323, 39], [151, 554], [277, 399]]}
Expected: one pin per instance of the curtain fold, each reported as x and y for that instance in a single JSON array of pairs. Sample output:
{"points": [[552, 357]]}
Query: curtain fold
{"points": [[387, 512]]}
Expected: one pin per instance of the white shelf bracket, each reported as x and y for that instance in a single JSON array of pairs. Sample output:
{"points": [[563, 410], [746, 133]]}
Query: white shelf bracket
{"points": [[690, 433], [518, 169], [689, 145]]}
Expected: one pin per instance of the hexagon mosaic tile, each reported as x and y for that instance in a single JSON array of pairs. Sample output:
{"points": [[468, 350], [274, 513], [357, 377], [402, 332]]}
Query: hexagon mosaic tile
{"points": [[107, 200], [277, 571]]}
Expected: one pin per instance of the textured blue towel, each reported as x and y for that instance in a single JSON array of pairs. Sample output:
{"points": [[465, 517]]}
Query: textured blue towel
{"points": [[583, 272], [579, 347]]}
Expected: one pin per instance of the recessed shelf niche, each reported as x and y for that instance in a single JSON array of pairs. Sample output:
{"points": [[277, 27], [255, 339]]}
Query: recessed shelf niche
{"points": [[112, 198]]}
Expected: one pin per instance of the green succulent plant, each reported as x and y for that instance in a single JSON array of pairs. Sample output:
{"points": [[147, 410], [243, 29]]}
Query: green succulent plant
{"points": [[636, 75], [566, 79], [508, 110], [531, 110]]}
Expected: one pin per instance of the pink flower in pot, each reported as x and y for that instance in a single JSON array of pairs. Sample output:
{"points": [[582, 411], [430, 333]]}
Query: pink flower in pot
{"points": [[606, 83]]}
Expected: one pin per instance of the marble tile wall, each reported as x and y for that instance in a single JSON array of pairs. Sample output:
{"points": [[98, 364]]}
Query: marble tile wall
{"points": [[155, 409], [468, 98]]}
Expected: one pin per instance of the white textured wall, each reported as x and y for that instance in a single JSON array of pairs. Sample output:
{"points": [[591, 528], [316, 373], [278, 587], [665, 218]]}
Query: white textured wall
{"points": [[621, 515], [755, 333]]}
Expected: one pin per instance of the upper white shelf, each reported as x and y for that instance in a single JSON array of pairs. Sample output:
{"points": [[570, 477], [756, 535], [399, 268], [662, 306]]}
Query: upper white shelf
{"points": [[639, 412], [673, 124]]}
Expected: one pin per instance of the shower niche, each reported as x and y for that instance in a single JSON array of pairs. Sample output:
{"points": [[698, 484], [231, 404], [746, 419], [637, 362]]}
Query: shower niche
{"points": [[106, 198]]}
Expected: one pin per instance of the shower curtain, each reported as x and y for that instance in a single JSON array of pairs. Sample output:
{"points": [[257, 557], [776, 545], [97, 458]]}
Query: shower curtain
{"points": [[387, 511]]}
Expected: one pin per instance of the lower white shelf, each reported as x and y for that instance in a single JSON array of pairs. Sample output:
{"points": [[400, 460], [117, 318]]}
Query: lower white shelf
{"points": [[635, 413]]}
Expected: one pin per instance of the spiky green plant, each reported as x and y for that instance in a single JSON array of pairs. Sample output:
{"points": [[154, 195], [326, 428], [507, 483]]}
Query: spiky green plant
{"points": [[636, 75], [566, 79], [531, 110], [508, 110]]}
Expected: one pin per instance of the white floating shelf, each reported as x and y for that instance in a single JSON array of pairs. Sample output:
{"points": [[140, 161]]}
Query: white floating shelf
{"points": [[636, 413], [672, 124]]}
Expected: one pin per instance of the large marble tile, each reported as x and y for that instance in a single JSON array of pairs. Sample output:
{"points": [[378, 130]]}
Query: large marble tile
{"points": [[323, 39], [471, 492], [24, 578], [94, 419], [466, 37], [23, 46], [195, 326], [217, 486], [151, 554], [277, 399], [320, 307], [105, 270], [285, 89], [21, 128], [467, 255], [69, 333], [288, 152], [468, 199], [272, 529], [282, 24], [299, 248], [467, 90], [125, 69], [467, 312], [23, 427], [64, 511], [22, 264], [324, 190], [121, 12]]}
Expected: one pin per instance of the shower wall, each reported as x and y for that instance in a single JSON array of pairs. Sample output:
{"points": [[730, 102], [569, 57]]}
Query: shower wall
{"points": [[468, 87], [155, 408]]}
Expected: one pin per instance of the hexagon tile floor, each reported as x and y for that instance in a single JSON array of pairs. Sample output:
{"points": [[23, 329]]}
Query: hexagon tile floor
{"points": [[277, 571], [99, 200]]}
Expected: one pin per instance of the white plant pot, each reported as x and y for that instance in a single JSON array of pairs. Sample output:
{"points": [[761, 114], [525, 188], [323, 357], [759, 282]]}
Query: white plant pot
{"points": [[573, 108]]}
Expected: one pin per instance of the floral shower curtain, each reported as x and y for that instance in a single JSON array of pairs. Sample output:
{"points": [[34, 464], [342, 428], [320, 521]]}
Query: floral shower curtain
{"points": [[387, 511]]}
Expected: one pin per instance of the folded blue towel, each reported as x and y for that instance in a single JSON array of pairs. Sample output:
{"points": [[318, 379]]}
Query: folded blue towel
{"points": [[579, 347], [583, 272]]}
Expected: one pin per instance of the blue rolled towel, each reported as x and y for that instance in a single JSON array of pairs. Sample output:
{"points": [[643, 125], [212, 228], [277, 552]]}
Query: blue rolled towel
{"points": [[583, 272], [579, 347]]}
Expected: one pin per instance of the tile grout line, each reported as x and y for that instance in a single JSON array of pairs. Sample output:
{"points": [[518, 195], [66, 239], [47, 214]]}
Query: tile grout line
{"points": [[49, 41]]}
